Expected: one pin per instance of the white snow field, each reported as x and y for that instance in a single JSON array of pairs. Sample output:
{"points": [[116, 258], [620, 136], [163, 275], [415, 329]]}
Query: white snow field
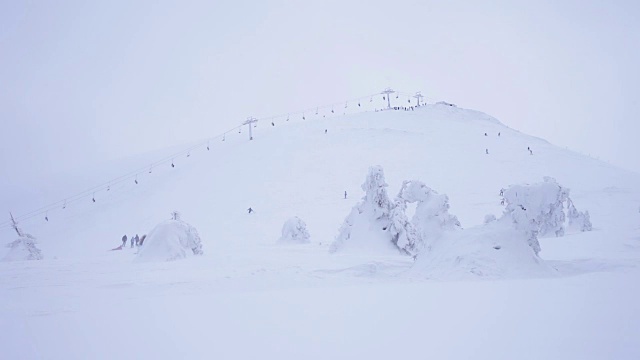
{"points": [[249, 296]]}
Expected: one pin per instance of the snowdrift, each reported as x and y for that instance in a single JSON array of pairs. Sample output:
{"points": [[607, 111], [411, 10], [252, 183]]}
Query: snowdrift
{"points": [[170, 240]]}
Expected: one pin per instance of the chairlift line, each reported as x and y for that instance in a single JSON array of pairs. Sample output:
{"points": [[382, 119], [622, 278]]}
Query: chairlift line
{"points": [[44, 210]]}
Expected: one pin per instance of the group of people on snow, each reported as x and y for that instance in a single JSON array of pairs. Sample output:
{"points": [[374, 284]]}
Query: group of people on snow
{"points": [[134, 240]]}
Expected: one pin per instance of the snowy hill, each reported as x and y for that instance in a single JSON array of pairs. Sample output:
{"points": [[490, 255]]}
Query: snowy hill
{"points": [[297, 168]]}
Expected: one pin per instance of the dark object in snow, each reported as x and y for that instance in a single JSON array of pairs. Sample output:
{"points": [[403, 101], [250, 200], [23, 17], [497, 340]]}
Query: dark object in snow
{"points": [[250, 210]]}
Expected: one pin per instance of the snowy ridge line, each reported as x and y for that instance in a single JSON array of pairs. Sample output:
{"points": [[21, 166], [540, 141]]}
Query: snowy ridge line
{"points": [[105, 186]]}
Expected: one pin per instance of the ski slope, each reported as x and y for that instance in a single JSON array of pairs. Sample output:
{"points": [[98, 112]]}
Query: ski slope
{"points": [[250, 297]]}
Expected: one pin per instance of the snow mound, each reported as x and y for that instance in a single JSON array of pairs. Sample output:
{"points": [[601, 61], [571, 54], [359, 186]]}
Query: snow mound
{"points": [[23, 248], [170, 240], [495, 250], [294, 231]]}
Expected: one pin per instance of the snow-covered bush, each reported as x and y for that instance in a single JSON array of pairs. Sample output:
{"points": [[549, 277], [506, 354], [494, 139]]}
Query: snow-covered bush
{"points": [[23, 248], [366, 225], [170, 240], [294, 230], [431, 218]]}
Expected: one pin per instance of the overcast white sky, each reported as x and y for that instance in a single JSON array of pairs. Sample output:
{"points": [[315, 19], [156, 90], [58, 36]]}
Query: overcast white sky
{"points": [[85, 81]]}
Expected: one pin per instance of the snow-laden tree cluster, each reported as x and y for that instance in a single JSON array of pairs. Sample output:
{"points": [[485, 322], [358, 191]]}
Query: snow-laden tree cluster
{"points": [[294, 231], [24, 247], [508, 246], [377, 223], [170, 240], [538, 210]]}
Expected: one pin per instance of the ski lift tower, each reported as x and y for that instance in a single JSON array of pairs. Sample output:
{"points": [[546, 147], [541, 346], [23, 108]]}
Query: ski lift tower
{"points": [[249, 122], [418, 96], [388, 91]]}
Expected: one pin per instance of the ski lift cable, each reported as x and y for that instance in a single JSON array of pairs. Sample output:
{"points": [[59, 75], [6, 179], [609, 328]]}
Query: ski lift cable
{"points": [[133, 174], [91, 191]]}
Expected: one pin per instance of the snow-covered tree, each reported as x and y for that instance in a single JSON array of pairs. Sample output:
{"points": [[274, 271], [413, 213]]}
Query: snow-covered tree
{"points": [[538, 209], [294, 230], [403, 233], [370, 217], [578, 220], [375, 220], [170, 240], [24, 247], [431, 218]]}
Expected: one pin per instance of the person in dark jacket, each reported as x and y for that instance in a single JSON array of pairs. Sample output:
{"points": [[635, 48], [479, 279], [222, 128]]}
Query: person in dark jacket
{"points": [[124, 240]]}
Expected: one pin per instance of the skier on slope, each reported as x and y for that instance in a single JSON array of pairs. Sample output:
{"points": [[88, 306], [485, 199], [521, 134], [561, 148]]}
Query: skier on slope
{"points": [[132, 239], [250, 210], [124, 240]]}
